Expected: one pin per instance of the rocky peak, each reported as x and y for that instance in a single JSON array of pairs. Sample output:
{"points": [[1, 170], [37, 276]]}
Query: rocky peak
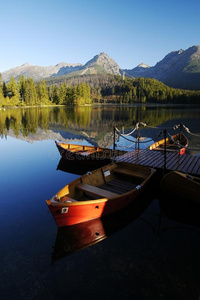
{"points": [[107, 63], [25, 65], [143, 65]]}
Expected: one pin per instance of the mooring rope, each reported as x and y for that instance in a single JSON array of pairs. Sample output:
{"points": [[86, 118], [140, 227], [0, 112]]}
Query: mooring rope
{"points": [[126, 134], [175, 127], [188, 131], [145, 125], [177, 143]]}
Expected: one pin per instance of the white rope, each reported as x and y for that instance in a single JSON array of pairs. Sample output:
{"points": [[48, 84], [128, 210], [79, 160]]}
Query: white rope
{"points": [[126, 134], [145, 125], [188, 131]]}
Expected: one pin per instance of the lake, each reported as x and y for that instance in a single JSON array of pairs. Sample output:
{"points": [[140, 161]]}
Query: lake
{"points": [[148, 251]]}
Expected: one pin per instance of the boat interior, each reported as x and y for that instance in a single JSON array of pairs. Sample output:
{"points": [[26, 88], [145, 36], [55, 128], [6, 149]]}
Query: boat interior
{"points": [[106, 182], [89, 150]]}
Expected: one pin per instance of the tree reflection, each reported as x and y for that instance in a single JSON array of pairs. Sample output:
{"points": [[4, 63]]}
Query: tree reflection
{"points": [[87, 120]]}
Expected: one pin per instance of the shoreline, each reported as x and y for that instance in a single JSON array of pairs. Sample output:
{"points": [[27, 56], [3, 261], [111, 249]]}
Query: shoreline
{"points": [[108, 105]]}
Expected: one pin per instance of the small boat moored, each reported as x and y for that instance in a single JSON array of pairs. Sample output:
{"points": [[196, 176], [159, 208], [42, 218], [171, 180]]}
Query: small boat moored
{"points": [[98, 193], [175, 143], [85, 154]]}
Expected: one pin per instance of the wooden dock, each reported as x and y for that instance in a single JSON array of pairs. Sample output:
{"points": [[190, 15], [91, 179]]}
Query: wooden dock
{"points": [[156, 159]]}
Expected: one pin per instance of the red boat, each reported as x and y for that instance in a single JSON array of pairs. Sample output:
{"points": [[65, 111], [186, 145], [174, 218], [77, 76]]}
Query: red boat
{"points": [[99, 193], [71, 239]]}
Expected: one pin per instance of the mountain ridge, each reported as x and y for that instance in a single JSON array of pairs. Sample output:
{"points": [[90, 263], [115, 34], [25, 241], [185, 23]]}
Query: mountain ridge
{"points": [[179, 69]]}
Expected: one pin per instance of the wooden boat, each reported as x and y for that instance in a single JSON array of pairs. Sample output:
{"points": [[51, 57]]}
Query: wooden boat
{"points": [[85, 154], [178, 144], [71, 239], [98, 193], [181, 186]]}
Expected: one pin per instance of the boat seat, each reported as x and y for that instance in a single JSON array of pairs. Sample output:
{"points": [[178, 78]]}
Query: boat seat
{"points": [[130, 173], [93, 190]]}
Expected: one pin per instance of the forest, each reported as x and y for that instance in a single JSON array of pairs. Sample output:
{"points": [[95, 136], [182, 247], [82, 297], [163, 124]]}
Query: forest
{"points": [[90, 89]]}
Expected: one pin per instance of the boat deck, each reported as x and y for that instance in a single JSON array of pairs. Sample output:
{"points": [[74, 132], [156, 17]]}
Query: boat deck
{"points": [[111, 189], [118, 186], [156, 159]]}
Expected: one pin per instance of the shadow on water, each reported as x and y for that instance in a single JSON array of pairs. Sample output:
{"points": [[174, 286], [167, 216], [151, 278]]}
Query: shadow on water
{"points": [[181, 211], [75, 168]]}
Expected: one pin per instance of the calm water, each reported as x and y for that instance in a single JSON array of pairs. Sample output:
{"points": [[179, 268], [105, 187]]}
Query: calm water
{"points": [[152, 249]]}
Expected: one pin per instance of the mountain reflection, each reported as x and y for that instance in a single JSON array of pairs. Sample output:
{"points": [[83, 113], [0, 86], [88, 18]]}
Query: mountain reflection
{"points": [[92, 123]]}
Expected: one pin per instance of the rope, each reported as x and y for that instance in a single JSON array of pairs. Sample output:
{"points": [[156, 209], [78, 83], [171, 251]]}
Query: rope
{"points": [[177, 143], [188, 131], [175, 127], [145, 125], [195, 149], [126, 134]]}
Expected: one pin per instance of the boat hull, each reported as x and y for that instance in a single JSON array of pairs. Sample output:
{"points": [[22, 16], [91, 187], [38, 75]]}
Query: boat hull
{"points": [[86, 155], [181, 186], [80, 201], [85, 212]]}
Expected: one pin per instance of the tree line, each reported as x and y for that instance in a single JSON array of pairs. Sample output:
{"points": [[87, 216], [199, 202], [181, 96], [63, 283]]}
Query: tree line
{"points": [[25, 92], [89, 89]]}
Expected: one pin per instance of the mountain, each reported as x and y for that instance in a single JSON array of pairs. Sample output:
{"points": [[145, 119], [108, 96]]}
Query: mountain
{"points": [[179, 69], [101, 63], [38, 72], [138, 71]]}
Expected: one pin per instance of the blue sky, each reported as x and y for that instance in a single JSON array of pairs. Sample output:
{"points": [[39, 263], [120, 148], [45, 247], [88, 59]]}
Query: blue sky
{"points": [[46, 32]]}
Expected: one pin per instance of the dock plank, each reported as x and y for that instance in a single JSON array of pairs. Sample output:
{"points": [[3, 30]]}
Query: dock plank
{"points": [[174, 161]]}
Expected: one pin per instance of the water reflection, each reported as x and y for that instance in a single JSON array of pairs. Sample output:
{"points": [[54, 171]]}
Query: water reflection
{"points": [[71, 239], [93, 124], [75, 168]]}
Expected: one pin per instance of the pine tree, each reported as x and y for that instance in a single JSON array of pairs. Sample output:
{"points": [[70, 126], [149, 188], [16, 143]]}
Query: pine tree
{"points": [[42, 93], [21, 87], [63, 94], [30, 95], [13, 92], [55, 96]]}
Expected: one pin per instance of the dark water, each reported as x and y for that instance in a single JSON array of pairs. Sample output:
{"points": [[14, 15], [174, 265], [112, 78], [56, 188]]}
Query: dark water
{"points": [[153, 248]]}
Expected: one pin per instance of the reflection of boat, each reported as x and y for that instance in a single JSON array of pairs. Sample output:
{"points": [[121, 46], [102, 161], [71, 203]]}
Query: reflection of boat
{"points": [[99, 193], [178, 143], [84, 154], [73, 238], [71, 167], [181, 186]]}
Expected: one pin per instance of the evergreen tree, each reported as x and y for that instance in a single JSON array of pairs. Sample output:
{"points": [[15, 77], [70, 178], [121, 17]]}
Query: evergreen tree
{"points": [[42, 93], [70, 95], [63, 94], [21, 87], [30, 94], [5, 90], [55, 95], [13, 92]]}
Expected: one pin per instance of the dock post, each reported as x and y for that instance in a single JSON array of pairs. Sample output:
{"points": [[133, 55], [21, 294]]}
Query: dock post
{"points": [[165, 150], [114, 144], [139, 137]]}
